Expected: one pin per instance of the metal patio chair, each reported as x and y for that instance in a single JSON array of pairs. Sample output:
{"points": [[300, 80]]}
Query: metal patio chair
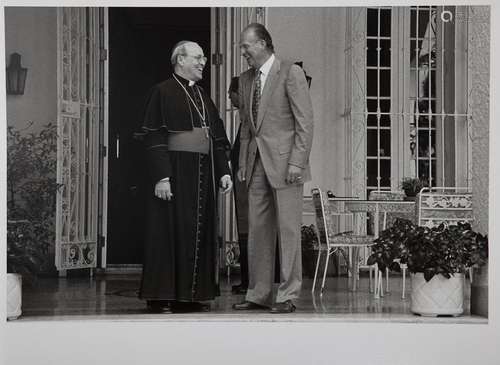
{"points": [[331, 243]]}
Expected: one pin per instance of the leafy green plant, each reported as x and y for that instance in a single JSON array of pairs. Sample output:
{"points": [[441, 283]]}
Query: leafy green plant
{"points": [[25, 254], [308, 237], [440, 250], [412, 186], [309, 240], [31, 197]]}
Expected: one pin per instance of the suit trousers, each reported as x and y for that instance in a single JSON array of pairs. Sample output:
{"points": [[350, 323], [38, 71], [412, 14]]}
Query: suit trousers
{"points": [[271, 212]]}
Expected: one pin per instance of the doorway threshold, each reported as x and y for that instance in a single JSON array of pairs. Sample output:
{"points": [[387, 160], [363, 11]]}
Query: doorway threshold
{"points": [[124, 269]]}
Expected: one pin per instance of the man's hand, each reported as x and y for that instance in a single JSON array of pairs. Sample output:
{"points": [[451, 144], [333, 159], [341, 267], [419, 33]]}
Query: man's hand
{"points": [[226, 183], [294, 175], [163, 190], [241, 174]]}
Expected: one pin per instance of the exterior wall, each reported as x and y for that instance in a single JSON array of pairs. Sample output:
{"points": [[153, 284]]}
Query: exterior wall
{"points": [[32, 32], [316, 36], [479, 105]]}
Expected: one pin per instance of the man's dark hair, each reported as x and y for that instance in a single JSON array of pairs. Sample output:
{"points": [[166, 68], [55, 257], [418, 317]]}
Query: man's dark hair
{"points": [[262, 33]]}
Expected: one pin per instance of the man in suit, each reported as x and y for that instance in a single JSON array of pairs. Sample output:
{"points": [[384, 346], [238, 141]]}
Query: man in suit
{"points": [[276, 138]]}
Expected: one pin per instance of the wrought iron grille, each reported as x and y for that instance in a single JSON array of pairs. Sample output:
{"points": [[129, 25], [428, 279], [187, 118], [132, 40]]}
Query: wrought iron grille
{"points": [[78, 142]]}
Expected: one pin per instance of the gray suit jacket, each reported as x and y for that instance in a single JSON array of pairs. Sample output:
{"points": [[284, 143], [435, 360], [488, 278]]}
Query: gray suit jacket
{"points": [[284, 128]]}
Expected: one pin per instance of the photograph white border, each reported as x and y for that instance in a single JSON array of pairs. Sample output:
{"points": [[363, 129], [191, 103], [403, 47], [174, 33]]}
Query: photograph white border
{"points": [[158, 342]]}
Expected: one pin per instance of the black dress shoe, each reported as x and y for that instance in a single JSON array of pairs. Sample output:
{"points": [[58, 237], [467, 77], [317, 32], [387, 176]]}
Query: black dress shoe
{"points": [[239, 289], [189, 307], [285, 307], [248, 306], [159, 306]]}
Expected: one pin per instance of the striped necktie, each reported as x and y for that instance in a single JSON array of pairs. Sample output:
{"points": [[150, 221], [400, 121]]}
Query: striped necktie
{"points": [[256, 97]]}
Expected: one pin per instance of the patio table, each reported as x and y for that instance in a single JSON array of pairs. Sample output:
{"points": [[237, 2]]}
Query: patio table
{"points": [[354, 205], [377, 207]]}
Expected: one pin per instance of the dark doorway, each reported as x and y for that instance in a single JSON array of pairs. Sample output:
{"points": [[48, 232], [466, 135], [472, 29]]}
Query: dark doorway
{"points": [[140, 43]]}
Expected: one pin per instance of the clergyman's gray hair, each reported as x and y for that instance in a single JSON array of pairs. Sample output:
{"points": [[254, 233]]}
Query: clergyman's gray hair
{"points": [[179, 49]]}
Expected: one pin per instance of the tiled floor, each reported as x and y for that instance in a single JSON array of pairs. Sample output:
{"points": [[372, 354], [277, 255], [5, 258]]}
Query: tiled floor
{"points": [[114, 297]]}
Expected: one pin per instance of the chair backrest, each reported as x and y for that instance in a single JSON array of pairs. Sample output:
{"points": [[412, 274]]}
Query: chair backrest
{"points": [[448, 205], [319, 210]]}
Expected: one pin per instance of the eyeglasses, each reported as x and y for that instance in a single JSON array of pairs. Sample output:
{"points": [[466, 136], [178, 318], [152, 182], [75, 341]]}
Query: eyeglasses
{"points": [[198, 58]]}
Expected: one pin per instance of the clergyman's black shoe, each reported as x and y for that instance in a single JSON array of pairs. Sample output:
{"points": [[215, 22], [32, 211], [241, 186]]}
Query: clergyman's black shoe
{"points": [[285, 307], [189, 307], [248, 306], [159, 306]]}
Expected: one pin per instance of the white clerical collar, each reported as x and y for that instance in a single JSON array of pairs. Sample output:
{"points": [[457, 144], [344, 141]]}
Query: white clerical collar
{"points": [[190, 82], [266, 67]]}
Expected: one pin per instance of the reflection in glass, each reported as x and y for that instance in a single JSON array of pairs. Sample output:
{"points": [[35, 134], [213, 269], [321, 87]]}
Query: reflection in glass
{"points": [[423, 89]]}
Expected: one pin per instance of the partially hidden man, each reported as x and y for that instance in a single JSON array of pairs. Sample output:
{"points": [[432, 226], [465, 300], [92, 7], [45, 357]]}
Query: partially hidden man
{"points": [[276, 138], [185, 145]]}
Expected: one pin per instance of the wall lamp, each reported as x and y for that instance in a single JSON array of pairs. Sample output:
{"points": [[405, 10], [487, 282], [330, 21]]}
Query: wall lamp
{"points": [[16, 75]]}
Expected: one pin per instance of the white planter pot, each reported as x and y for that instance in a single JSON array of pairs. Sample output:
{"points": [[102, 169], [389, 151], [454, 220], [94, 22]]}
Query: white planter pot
{"points": [[14, 296], [438, 296]]}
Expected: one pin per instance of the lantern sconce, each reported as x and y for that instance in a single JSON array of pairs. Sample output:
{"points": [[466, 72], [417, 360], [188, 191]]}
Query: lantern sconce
{"points": [[16, 75]]}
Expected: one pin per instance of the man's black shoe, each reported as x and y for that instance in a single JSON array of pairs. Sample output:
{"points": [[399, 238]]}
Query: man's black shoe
{"points": [[248, 306], [239, 289], [285, 307]]}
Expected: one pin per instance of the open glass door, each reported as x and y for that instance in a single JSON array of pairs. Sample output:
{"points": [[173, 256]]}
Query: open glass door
{"points": [[78, 121]]}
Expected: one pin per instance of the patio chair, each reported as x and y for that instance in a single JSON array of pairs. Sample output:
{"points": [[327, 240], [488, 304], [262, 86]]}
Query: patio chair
{"points": [[331, 243], [448, 205]]}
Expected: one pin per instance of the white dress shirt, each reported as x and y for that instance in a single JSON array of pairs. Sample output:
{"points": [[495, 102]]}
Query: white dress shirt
{"points": [[264, 71]]}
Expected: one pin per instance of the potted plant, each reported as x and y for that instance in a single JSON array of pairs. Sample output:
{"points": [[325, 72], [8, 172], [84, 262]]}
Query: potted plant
{"points": [[437, 259], [31, 191], [309, 241], [25, 257], [412, 186]]}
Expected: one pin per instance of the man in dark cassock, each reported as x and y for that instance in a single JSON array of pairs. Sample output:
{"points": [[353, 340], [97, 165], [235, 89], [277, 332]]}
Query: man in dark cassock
{"points": [[185, 145]]}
